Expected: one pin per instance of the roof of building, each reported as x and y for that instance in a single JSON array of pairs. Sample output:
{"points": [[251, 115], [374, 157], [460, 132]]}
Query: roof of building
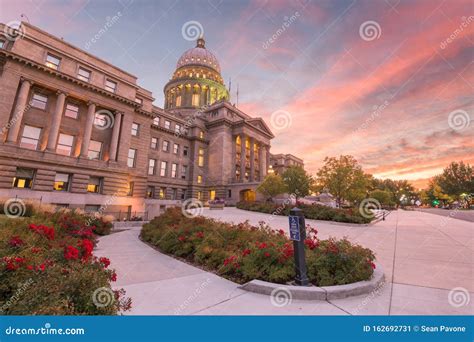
{"points": [[199, 55]]}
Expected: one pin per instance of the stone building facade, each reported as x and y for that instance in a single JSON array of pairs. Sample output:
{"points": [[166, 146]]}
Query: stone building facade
{"points": [[279, 163], [80, 132]]}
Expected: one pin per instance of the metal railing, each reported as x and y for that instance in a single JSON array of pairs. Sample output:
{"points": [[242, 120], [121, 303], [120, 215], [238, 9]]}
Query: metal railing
{"points": [[128, 215]]}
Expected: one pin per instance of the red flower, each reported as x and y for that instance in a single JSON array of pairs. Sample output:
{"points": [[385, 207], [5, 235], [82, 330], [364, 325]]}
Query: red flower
{"points": [[87, 247], [29, 267], [35, 250], [105, 261], [71, 253], [182, 238], [246, 252], [230, 260], [48, 232], [267, 254], [15, 241], [200, 235], [281, 232], [113, 277], [311, 244], [262, 245], [41, 267]]}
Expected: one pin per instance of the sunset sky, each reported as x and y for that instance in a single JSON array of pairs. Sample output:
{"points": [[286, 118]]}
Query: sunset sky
{"points": [[399, 95]]}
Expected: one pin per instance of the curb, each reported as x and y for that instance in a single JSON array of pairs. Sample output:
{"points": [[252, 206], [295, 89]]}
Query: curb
{"points": [[318, 293]]}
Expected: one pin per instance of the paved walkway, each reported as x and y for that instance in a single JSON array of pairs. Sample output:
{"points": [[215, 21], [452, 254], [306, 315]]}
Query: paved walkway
{"points": [[460, 214], [425, 255]]}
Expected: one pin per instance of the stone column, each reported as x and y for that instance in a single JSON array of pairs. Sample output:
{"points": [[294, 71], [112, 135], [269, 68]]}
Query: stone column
{"points": [[88, 130], [252, 157], [242, 158], [263, 160], [56, 123], [115, 136], [20, 109], [234, 158]]}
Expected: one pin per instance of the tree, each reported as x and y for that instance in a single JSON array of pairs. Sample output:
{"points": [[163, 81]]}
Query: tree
{"points": [[457, 179], [343, 177], [297, 181], [272, 186], [382, 196]]}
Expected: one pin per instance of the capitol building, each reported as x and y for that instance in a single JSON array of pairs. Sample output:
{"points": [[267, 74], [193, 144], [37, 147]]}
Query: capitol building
{"points": [[79, 132]]}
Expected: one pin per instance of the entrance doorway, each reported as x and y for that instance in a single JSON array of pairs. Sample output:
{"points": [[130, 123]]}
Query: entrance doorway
{"points": [[248, 195]]}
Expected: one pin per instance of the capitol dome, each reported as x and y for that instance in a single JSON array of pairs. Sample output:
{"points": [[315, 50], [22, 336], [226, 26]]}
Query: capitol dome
{"points": [[197, 80]]}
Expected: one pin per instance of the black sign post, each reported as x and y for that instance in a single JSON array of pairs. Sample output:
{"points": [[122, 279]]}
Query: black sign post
{"points": [[298, 235]]}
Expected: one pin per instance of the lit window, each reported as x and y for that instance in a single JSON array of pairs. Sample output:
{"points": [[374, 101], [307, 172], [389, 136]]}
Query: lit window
{"points": [[167, 124], [199, 195], [199, 179], [184, 172], [131, 157], [195, 100], [201, 157], [83, 74], [94, 185], [95, 149], [162, 193], [166, 145], [212, 195], [175, 148], [174, 169], [135, 128], [150, 192], [65, 143], [2, 44], [178, 101], [30, 137], [151, 166], [52, 61], [131, 185], [164, 166], [156, 121], [138, 100], [23, 178], [39, 101], [177, 128], [201, 134], [154, 143], [185, 150], [110, 86], [72, 111], [101, 120], [61, 182]]}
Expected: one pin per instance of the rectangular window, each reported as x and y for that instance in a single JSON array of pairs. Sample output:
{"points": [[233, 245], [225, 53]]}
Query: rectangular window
{"points": [[91, 208], [201, 134], [2, 44], [167, 124], [95, 185], [132, 153], [39, 101], [83, 74], [23, 178], [212, 195], [95, 150], [174, 193], [154, 143], [184, 172], [156, 121], [52, 61], [162, 193], [185, 150], [135, 129], [201, 157], [177, 128], [183, 194], [174, 169], [72, 111], [61, 182], [65, 142], [166, 145], [151, 166], [150, 192], [30, 137], [175, 148], [199, 179], [138, 100], [229, 193], [199, 195], [164, 166], [130, 188], [110, 86], [195, 100]]}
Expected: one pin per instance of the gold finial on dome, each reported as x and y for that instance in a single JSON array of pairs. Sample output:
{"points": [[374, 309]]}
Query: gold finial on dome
{"points": [[201, 43]]}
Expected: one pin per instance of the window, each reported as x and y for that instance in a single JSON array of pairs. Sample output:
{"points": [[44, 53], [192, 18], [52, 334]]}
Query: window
{"points": [[132, 153], [101, 121], [174, 169], [167, 124], [135, 129], [110, 86], [138, 100], [52, 61], [201, 157], [130, 188], [201, 134], [184, 171], [83, 74], [212, 195], [150, 192], [183, 194], [177, 128], [174, 193], [162, 193], [95, 150], [65, 143], [199, 195], [154, 143], [151, 166], [185, 150], [164, 166], [92, 208], [195, 100], [199, 179], [24, 178], [95, 185], [175, 148], [72, 111], [2, 44], [178, 101], [166, 145], [229, 193], [39, 101], [156, 121], [61, 182], [30, 137]]}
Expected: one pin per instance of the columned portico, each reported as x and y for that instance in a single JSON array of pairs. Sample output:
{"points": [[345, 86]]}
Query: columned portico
{"points": [[252, 160], [56, 121], [88, 129], [242, 157], [115, 136], [19, 111]]}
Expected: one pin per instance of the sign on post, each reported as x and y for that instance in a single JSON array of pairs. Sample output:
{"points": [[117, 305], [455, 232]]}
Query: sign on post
{"points": [[294, 228]]}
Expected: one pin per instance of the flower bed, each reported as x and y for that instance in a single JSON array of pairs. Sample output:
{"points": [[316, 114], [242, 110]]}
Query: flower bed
{"points": [[243, 252], [315, 212], [47, 267]]}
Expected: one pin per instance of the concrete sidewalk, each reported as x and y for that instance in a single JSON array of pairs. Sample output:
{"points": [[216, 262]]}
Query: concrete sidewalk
{"points": [[426, 258]]}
